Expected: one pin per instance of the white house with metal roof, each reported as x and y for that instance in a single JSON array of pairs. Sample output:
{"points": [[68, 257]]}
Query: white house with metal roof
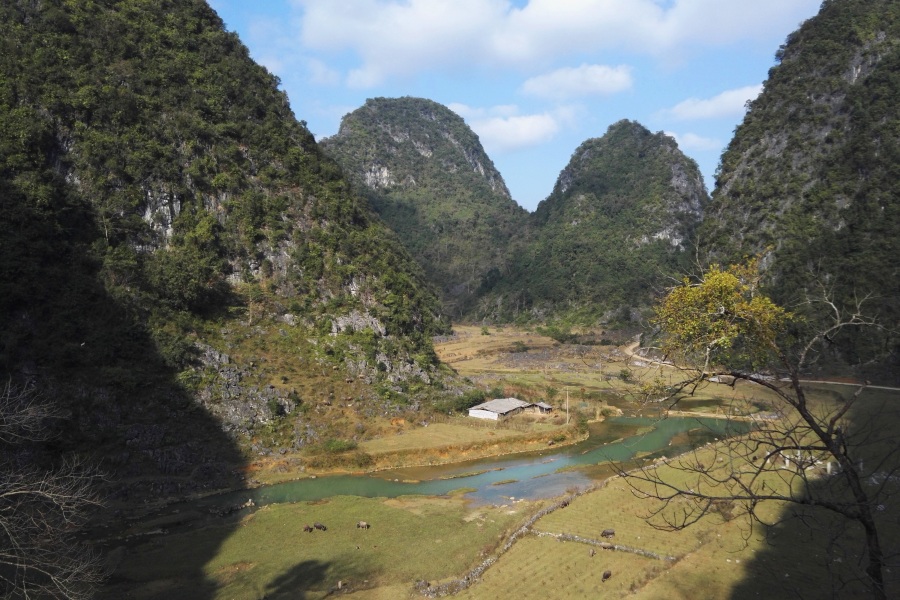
{"points": [[501, 407]]}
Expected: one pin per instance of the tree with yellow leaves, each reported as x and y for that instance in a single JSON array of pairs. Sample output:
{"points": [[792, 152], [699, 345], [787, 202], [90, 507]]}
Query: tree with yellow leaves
{"points": [[832, 464]]}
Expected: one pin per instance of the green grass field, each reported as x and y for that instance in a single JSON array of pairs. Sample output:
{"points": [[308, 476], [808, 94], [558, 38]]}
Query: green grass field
{"points": [[269, 555]]}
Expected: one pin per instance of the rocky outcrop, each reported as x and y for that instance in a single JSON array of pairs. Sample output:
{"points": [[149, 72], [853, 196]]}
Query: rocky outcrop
{"points": [[357, 321], [239, 404]]}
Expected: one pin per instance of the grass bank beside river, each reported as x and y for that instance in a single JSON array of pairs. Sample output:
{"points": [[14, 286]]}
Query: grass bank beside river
{"points": [[438, 444]]}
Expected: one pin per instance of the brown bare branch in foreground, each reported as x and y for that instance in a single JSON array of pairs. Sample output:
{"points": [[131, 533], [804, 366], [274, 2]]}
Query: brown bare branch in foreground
{"points": [[41, 510]]}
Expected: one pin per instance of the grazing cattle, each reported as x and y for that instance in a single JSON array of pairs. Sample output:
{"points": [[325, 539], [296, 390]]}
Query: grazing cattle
{"points": [[307, 528], [398, 421], [564, 504], [319, 526], [606, 575], [608, 533], [591, 553], [362, 525]]}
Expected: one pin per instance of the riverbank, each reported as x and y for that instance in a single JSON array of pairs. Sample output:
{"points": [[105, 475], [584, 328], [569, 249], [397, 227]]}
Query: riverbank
{"points": [[241, 537], [276, 470]]}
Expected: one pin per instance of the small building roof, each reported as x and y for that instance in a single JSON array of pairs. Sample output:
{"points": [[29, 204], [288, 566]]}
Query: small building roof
{"points": [[543, 405], [501, 405]]}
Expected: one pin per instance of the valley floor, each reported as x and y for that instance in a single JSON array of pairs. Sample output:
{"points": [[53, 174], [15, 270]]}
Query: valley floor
{"points": [[416, 541]]}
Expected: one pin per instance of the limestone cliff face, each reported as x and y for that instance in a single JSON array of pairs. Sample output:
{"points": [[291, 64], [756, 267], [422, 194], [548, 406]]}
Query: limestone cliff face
{"points": [[810, 177], [822, 127], [426, 174]]}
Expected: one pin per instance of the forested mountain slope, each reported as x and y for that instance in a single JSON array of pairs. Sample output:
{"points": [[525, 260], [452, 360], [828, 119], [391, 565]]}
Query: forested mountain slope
{"points": [[170, 233], [618, 221], [812, 172], [424, 171]]}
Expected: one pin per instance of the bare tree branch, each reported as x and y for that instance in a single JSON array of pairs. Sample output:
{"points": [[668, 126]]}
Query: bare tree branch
{"points": [[807, 455], [41, 510]]}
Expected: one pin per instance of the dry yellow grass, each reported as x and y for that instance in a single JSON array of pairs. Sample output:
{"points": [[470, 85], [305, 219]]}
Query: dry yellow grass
{"points": [[473, 352], [436, 435], [713, 558], [475, 355], [393, 592], [544, 569]]}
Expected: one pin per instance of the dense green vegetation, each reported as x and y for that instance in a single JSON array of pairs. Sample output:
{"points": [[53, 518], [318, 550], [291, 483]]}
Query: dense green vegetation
{"points": [[425, 173], [812, 172], [617, 222], [154, 188]]}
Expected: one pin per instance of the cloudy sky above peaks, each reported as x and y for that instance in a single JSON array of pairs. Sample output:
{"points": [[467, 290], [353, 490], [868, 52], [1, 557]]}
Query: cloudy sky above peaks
{"points": [[533, 78]]}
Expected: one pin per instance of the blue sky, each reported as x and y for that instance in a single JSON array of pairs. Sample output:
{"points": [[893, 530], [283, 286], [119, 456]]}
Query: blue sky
{"points": [[533, 78]]}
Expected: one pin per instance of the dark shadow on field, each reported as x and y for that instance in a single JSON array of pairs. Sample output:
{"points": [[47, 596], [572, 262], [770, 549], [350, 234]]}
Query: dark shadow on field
{"points": [[813, 554], [293, 584], [64, 333]]}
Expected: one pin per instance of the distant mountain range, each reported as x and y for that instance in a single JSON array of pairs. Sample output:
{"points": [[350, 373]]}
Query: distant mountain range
{"points": [[618, 221]]}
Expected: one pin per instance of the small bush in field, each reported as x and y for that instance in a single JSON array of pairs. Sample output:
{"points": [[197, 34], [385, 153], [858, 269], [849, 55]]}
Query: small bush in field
{"points": [[334, 446]]}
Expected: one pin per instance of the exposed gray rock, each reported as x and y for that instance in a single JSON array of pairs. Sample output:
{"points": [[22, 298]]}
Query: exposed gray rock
{"points": [[357, 322]]}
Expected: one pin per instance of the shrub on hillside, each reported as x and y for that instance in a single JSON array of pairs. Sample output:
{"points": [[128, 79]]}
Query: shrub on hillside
{"points": [[335, 446]]}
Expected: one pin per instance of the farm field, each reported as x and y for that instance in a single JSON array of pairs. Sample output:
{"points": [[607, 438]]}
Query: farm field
{"points": [[527, 365], [544, 569], [438, 539], [723, 555], [269, 555]]}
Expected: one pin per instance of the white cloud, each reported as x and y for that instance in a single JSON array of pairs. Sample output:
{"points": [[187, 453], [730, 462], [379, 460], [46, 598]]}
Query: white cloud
{"points": [[321, 74], [505, 110], [468, 112], [272, 63], [501, 129], [503, 134], [404, 37], [586, 80], [692, 141], [727, 104]]}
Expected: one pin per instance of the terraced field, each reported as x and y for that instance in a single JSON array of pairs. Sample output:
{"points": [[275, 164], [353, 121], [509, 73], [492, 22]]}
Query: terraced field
{"points": [[616, 507], [723, 555], [544, 569]]}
